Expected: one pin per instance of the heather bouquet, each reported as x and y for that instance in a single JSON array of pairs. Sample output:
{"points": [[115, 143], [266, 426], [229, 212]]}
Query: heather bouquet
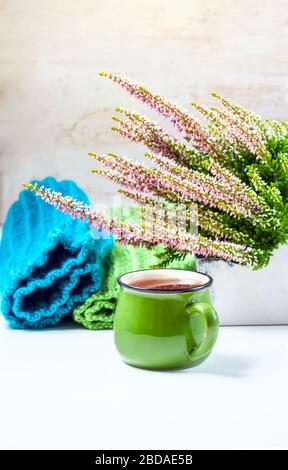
{"points": [[227, 173]]}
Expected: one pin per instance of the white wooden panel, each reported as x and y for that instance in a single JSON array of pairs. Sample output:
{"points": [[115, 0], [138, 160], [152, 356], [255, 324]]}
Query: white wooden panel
{"points": [[54, 107]]}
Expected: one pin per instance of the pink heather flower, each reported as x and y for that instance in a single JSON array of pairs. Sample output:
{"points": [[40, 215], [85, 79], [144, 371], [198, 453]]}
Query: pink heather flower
{"points": [[201, 171], [236, 130], [176, 183], [246, 126], [218, 186], [213, 223], [230, 125], [186, 124], [163, 144], [190, 127], [236, 185], [248, 118], [141, 129], [138, 235]]}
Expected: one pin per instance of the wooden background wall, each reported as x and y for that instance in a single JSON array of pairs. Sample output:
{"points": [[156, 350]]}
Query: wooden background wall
{"points": [[54, 107]]}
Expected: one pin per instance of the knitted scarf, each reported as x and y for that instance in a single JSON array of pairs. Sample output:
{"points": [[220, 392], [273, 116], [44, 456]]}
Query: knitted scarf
{"points": [[49, 262]]}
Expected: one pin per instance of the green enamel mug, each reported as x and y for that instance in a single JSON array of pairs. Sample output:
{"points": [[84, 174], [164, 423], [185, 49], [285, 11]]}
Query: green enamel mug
{"points": [[174, 326]]}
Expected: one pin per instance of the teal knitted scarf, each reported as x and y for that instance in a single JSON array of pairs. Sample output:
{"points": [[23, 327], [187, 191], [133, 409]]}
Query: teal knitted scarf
{"points": [[48, 262]]}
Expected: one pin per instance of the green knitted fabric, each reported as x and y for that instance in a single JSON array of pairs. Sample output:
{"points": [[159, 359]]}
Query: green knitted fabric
{"points": [[98, 310]]}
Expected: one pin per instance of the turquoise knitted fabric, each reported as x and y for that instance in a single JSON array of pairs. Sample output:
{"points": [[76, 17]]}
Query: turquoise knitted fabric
{"points": [[48, 261]]}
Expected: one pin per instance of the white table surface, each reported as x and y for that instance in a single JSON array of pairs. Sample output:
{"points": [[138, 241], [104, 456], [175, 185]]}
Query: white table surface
{"points": [[68, 388]]}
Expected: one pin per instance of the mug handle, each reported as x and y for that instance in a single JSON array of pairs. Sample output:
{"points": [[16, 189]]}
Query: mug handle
{"points": [[211, 325]]}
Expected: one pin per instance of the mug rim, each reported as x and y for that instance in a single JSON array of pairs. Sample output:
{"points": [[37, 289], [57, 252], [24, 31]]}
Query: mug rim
{"points": [[163, 291]]}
